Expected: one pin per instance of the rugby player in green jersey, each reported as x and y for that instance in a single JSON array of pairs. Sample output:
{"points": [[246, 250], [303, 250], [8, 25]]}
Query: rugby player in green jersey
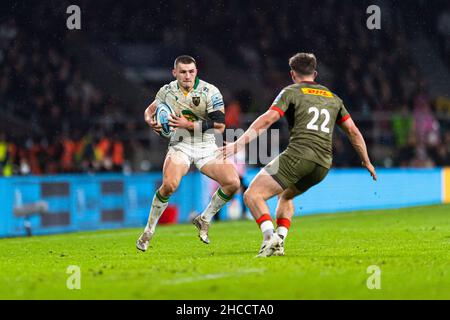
{"points": [[312, 111]]}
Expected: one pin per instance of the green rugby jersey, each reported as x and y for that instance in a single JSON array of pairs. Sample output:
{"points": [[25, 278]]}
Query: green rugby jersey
{"points": [[312, 111]]}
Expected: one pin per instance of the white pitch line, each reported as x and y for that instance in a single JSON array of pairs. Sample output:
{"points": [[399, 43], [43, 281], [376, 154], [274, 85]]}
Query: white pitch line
{"points": [[126, 234], [212, 276], [55, 237], [83, 235]]}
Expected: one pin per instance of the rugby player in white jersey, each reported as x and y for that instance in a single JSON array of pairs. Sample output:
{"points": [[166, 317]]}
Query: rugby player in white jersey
{"points": [[199, 112]]}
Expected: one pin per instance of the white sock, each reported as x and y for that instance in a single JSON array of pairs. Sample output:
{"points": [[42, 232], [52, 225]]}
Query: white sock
{"points": [[282, 231], [159, 204], [218, 200], [267, 229]]}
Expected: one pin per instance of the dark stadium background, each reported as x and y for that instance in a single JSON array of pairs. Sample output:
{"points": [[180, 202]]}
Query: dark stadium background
{"points": [[73, 100]]}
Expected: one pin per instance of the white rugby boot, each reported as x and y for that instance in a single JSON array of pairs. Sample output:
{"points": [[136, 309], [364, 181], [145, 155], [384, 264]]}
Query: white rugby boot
{"points": [[269, 247], [280, 250], [202, 227], [143, 241]]}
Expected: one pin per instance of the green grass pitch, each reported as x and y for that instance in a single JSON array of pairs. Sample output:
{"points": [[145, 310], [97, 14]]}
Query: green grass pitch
{"points": [[327, 257]]}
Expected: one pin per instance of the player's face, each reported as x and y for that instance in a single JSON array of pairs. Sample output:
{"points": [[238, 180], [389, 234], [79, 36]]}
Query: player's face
{"points": [[185, 74]]}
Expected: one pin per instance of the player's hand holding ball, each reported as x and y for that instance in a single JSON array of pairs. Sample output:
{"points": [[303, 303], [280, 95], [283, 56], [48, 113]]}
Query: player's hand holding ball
{"points": [[160, 122], [150, 119], [180, 122], [154, 125]]}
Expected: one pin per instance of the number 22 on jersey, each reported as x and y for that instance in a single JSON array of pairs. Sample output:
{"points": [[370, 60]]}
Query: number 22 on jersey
{"points": [[312, 125]]}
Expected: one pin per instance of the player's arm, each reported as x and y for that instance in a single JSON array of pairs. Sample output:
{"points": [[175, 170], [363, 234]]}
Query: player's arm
{"points": [[216, 112], [149, 116], [358, 143], [258, 126], [216, 121], [262, 123]]}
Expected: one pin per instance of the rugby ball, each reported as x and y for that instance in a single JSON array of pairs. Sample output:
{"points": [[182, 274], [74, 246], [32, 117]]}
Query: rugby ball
{"points": [[162, 115]]}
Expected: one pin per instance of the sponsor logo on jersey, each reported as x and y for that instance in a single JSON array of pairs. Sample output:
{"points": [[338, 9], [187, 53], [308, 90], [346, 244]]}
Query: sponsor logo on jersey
{"points": [[189, 115], [317, 92]]}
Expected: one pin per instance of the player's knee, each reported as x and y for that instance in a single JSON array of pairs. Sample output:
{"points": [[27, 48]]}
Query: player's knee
{"points": [[233, 185], [236, 184], [169, 187], [250, 196]]}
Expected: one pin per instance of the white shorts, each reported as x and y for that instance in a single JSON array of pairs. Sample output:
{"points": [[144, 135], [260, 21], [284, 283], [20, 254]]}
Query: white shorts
{"points": [[198, 153]]}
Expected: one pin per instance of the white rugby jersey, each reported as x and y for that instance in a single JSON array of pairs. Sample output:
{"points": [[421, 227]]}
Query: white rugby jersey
{"points": [[195, 105]]}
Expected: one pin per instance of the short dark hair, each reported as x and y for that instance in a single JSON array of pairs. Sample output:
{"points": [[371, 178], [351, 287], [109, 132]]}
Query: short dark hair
{"points": [[303, 63], [185, 59]]}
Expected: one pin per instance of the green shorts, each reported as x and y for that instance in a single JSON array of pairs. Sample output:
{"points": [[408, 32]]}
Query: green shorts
{"points": [[289, 171]]}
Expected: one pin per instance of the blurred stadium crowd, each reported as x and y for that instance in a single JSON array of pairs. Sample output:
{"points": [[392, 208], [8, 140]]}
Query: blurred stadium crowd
{"points": [[75, 124], [40, 83]]}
